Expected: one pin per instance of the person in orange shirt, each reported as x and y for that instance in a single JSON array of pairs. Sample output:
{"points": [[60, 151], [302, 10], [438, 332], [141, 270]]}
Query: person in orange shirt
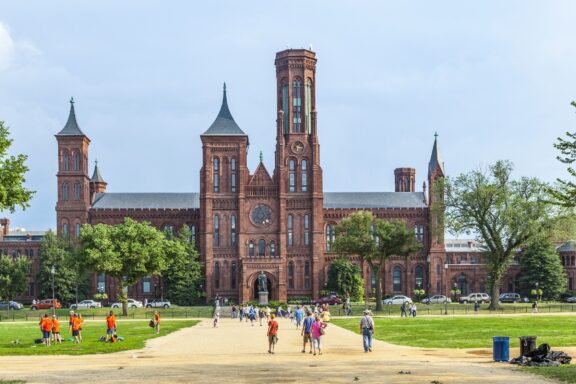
{"points": [[56, 330], [110, 326], [45, 326], [157, 322], [80, 326], [76, 324]]}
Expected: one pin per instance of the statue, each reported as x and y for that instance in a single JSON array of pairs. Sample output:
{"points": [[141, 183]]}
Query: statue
{"points": [[262, 282]]}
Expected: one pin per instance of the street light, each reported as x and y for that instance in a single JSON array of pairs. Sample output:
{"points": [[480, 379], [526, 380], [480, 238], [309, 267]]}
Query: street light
{"points": [[53, 272]]}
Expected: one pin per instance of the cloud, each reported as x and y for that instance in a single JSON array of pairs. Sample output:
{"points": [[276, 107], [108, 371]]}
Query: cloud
{"points": [[11, 50]]}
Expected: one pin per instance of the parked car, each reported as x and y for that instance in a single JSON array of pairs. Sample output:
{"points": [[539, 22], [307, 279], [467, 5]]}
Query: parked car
{"points": [[330, 299], [475, 298], [86, 304], [571, 299], [510, 298], [131, 304], [46, 304], [436, 299], [8, 305], [398, 299], [158, 304]]}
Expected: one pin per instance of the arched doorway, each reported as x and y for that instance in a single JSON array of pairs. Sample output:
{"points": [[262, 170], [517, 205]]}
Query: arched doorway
{"points": [[271, 285], [255, 295]]}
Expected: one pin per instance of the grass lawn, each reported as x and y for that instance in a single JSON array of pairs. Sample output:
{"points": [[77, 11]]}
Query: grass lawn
{"points": [[470, 332], [135, 333], [564, 373]]}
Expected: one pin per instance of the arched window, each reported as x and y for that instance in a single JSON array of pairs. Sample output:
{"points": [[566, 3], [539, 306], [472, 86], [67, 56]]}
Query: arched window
{"points": [[462, 284], [65, 229], [297, 105], [65, 161], [251, 248], [438, 270], [233, 230], [216, 174], [330, 237], [290, 230], [419, 277], [65, 191], [291, 275], [397, 279], [77, 230], [233, 175], [273, 248], [307, 275], [419, 232], [261, 247], [101, 282], [168, 230], [304, 176], [192, 228], [76, 158], [292, 176], [147, 284], [216, 230], [308, 101], [306, 229], [233, 273], [216, 275], [77, 191], [285, 107]]}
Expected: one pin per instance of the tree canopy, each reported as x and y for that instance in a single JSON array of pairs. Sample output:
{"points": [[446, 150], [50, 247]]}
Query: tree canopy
{"points": [[13, 276], [345, 277], [565, 193], [12, 171], [504, 213], [374, 240]]}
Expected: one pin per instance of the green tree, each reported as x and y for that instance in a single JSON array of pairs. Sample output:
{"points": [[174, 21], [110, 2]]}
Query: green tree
{"points": [[184, 272], [565, 193], [12, 171], [540, 264], [57, 252], [127, 252], [504, 213], [345, 277], [374, 240], [13, 276]]}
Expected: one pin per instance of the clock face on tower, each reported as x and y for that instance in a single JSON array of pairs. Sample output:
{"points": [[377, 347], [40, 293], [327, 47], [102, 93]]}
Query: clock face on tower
{"points": [[261, 215]]}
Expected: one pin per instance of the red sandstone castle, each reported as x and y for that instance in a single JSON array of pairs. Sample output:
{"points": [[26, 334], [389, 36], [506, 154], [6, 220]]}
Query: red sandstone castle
{"points": [[282, 222]]}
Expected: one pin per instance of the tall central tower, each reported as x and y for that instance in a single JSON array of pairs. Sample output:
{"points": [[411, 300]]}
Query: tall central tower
{"points": [[298, 172]]}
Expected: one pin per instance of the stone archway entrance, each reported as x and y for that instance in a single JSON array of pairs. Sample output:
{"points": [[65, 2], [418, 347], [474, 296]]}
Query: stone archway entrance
{"points": [[255, 295], [272, 286]]}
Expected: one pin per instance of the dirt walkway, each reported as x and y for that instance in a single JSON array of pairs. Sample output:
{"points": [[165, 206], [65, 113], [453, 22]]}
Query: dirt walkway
{"points": [[237, 352]]}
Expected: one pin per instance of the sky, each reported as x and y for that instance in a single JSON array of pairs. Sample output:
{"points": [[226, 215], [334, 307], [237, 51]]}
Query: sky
{"points": [[495, 79]]}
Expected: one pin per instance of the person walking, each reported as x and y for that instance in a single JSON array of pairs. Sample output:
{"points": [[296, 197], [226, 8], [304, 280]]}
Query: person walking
{"points": [[157, 322], [326, 316], [413, 309], [216, 319], [272, 333], [403, 309], [307, 331], [298, 316], [110, 326], [70, 321], [317, 333], [45, 327], [252, 315], [476, 307], [367, 330], [56, 329], [80, 326], [535, 306], [76, 324]]}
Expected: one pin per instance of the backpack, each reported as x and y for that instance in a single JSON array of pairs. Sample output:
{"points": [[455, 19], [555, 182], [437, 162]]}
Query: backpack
{"points": [[151, 324]]}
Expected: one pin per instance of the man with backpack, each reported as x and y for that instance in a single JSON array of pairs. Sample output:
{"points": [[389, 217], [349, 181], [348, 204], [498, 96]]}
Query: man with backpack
{"points": [[367, 330]]}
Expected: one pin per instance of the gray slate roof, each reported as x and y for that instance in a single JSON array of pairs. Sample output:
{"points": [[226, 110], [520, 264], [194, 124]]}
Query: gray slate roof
{"points": [[97, 177], [146, 201], [224, 125], [435, 158], [569, 246], [71, 128], [192, 200], [374, 200]]}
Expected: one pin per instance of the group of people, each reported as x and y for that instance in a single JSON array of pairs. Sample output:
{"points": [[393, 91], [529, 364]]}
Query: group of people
{"points": [[50, 328], [408, 309]]}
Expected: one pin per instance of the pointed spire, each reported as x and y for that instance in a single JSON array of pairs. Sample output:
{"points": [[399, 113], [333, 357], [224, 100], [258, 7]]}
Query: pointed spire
{"points": [[261, 157], [71, 128], [435, 158], [96, 177], [224, 125]]}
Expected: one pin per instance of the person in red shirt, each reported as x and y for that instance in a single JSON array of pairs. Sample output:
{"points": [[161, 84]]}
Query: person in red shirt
{"points": [[56, 330], [110, 326], [157, 322], [46, 327], [272, 333]]}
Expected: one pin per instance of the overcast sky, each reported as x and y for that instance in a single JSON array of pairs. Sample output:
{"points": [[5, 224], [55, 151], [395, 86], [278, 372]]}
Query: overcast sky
{"points": [[494, 78]]}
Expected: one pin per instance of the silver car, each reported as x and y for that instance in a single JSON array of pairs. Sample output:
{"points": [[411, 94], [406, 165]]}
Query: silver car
{"points": [[158, 304], [398, 299], [131, 304], [436, 299], [85, 304]]}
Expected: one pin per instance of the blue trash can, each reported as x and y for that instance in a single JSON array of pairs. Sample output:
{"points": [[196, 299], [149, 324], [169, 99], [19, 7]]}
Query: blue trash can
{"points": [[501, 348]]}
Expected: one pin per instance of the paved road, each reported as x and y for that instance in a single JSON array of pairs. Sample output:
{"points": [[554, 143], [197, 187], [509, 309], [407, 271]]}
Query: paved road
{"points": [[237, 353]]}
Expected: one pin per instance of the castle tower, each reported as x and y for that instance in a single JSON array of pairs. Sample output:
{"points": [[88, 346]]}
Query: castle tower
{"points": [[298, 172], [97, 183], [405, 179], [73, 181], [223, 174]]}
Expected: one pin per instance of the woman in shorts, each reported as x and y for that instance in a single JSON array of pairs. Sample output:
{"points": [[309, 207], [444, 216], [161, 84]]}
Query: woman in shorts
{"points": [[317, 332]]}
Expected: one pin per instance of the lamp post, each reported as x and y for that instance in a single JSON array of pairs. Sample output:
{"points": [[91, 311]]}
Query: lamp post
{"points": [[53, 272]]}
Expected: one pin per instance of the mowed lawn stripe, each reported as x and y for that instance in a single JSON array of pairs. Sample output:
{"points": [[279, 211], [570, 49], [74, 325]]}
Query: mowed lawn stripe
{"points": [[470, 332], [18, 339]]}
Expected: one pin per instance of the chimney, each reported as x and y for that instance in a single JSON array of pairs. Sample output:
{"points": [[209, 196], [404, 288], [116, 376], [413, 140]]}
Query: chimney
{"points": [[405, 179], [5, 223]]}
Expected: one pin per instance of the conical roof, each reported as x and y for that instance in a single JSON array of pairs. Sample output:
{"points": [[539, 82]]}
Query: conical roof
{"points": [[224, 125], [435, 158], [96, 177], [71, 128]]}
